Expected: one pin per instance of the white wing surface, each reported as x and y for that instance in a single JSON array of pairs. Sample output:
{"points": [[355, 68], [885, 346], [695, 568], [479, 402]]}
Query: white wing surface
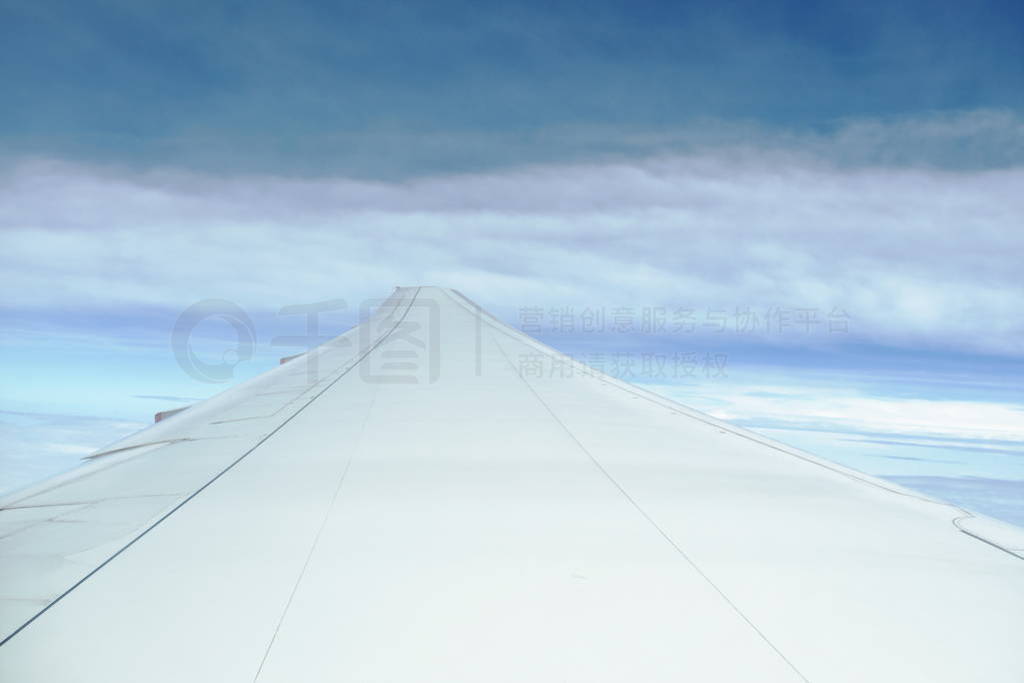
{"points": [[446, 499]]}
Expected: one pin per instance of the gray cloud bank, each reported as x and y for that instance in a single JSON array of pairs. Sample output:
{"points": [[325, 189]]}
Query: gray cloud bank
{"points": [[917, 255]]}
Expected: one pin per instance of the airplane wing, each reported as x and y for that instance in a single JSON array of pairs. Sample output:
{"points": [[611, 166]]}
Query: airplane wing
{"points": [[435, 496]]}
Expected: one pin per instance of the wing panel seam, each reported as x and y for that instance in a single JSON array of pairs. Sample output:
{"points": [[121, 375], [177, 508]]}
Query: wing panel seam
{"points": [[224, 471], [643, 513]]}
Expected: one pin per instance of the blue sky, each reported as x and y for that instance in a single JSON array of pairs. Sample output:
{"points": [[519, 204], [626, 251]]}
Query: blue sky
{"points": [[401, 88], [770, 157]]}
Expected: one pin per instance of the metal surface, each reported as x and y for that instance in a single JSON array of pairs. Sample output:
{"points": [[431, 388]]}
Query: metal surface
{"points": [[446, 499]]}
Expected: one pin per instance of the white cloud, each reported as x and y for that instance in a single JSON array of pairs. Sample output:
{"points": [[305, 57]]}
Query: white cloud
{"points": [[36, 445], [916, 256], [851, 410], [891, 436]]}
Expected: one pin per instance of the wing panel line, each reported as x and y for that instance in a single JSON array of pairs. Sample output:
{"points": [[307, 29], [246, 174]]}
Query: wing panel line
{"points": [[643, 513], [224, 471]]}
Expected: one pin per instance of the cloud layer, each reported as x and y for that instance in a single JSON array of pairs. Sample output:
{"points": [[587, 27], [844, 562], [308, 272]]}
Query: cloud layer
{"points": [[916, 256]]}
